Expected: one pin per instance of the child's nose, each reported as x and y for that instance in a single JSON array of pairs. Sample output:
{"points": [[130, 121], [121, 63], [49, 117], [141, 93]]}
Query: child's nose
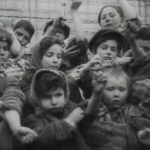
{"points": [[55, 60], [116, 93], [107, 18], [53, 101], [21, 39]]}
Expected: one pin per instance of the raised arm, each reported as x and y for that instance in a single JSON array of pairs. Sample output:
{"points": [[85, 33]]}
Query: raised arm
{"points": [[98, 82], [128, 10], [15, 47], [79, 32]]}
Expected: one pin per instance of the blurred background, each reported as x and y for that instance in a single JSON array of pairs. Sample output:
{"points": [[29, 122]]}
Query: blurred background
{"points": [[40, 11]]}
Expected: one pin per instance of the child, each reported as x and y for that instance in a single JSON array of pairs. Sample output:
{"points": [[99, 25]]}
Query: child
{"points": [[117, 111], [55, 119], [111, 16], [22, 33], [104, 45]]}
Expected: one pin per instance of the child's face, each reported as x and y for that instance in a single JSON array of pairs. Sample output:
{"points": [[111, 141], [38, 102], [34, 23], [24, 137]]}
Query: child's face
{"points": [[53, 57], [4, 49], [115, 92], [110, 18], [107, 50], [144, 45], [53, 101], [22, 36]]}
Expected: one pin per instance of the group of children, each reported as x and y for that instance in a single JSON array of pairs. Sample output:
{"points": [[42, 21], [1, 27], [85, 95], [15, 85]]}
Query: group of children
{"points": [[83, 95]]}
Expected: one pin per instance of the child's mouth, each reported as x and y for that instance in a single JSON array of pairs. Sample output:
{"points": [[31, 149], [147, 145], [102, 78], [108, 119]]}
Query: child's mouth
{"points": [[107, 58]]}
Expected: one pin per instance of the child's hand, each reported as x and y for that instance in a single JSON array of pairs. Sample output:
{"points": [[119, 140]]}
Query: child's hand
{"points": [[94, 64], [98, 81], [14, 71], [132, 30], [75, 117], [57, 24], [75, 74], [76, 4], [123, 60], [26, 135], [144, 136], [72, 51], [7, 23]]}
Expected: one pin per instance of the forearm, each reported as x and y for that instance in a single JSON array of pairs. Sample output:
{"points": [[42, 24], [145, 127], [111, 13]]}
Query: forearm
{"points": [[79, 31], [93, 103], [12, 117], [15, 47], [136, 51], [128, 10]]}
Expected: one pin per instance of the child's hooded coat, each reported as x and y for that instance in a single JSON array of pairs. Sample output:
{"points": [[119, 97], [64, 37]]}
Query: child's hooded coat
{"points": [[53, 131]]}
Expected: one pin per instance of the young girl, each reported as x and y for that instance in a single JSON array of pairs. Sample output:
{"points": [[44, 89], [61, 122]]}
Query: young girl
{"points": [[49, 56]]}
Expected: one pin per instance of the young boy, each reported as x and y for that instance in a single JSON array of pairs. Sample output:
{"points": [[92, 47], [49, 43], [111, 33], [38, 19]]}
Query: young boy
{"points": [[115, 109], [56, 118], [104, 45], [22, 33]]}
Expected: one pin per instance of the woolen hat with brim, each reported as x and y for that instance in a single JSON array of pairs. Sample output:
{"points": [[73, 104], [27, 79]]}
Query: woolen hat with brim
{"points": [[104, 32]]}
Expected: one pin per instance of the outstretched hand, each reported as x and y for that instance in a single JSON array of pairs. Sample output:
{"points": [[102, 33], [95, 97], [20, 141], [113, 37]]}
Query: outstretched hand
{"points": [[132, 30], [72, 51], [26, 135], [98, 81], [144, 136]]}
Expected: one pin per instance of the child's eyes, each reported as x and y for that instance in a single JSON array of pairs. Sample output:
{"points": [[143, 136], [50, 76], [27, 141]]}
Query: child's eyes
{"points": [[114, 49], [103, 17], [58, 95], [49, 54], [5, 48], [59, 56], [104, 47], [110, 88], [111, 15], [19, 34], [122, 89]]}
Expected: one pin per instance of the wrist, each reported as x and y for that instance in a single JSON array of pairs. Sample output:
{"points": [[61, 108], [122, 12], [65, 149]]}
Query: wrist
{"points": [[70, 122]]}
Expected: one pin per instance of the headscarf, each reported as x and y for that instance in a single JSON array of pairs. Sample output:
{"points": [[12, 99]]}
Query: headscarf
{"points": [[36, 58]]}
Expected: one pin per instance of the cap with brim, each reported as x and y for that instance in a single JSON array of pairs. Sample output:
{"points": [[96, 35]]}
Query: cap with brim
{"points": [[65, 27], [103, 32]]}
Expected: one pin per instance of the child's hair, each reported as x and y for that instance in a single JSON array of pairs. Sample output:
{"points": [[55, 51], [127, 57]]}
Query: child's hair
{"points": [[104, 39], [46, 43], [26, 25], [48, 81], [6, 37], [117, 71], [118, 9], [144, 33]]}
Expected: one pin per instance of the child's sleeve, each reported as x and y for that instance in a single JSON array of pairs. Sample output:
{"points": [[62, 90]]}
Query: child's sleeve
{"points": [[13, 98], [49, 134]]}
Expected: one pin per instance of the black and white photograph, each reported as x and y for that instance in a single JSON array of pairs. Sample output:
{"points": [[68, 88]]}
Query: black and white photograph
{"points": [[74, 74]]}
